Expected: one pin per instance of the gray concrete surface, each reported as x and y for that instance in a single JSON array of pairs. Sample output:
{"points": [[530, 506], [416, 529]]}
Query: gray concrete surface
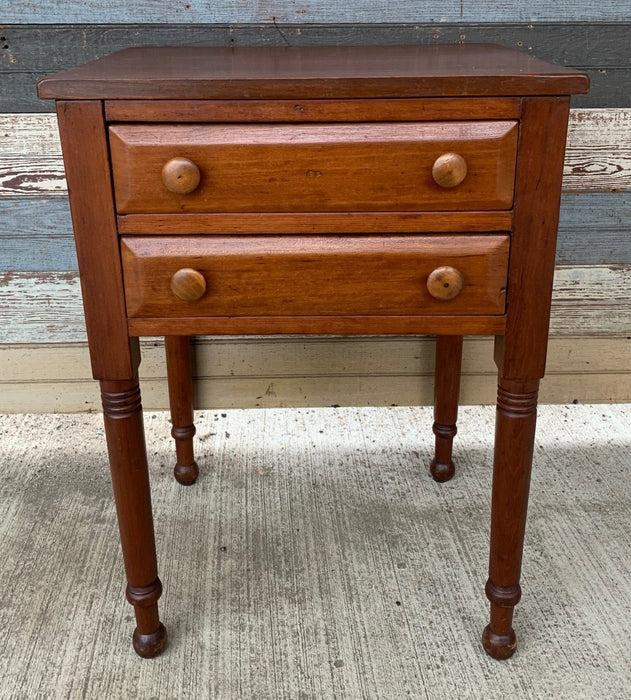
{"points": [[316, 559]]}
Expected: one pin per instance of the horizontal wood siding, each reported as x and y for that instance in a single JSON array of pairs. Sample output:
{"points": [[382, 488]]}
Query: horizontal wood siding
{"points": [[250, 372], [29, 51], [46, 307], [308, 11], [43, 356]]}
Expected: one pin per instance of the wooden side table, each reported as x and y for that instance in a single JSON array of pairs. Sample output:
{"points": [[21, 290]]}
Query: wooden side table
{"points": [[354, 190]]}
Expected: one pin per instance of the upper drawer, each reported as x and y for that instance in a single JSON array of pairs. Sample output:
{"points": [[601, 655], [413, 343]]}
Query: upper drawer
{"points": [[314, 167]]}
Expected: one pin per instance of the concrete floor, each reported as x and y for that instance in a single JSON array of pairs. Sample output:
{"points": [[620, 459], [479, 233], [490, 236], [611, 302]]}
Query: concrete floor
{"points": [[316, 559]]}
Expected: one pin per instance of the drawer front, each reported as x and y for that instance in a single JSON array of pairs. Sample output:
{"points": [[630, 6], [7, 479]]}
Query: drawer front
{"points": [[176, 277], [424, 166]]}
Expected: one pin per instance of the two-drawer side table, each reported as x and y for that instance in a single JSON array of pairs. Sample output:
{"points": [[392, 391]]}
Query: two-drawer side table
{"points": [[347, 190]]}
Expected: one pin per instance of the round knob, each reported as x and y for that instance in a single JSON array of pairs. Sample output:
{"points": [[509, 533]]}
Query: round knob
{"points": [[449, 170], [188, 284], [445, 283], [180, 175]]}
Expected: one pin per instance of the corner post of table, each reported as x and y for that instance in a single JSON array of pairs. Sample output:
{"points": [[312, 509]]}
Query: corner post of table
{"points": [[114, 355], [521, 353]]}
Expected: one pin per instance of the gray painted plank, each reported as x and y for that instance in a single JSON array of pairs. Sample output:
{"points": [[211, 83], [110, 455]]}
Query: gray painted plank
{"points": [[306, 11], [34, 50], [594, 229], [56, 47]]}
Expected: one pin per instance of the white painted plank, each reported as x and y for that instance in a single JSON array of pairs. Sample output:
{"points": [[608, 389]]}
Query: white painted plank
{"points": [[32, 134], [46, 307], [598, 154], [43, 307], [310, 11], [592, 300]]}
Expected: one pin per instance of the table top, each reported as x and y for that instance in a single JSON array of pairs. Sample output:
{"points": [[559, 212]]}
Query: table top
{"points": [[289, 72]]}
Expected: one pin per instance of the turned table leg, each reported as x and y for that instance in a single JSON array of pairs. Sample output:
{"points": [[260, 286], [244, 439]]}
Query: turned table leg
{"points": [[446, 394], [130, 478], [514, 442], [180, 379]]}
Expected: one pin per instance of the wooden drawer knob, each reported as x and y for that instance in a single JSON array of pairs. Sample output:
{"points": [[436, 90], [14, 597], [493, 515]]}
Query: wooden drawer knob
{"points": [[180, 175], [188, 284], [449, 170], [445, 283]]}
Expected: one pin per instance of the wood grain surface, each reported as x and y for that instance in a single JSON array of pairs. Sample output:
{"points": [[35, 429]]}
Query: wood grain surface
{"points": [[301, 168], [227, 111], [290, 72], [332, 276]]}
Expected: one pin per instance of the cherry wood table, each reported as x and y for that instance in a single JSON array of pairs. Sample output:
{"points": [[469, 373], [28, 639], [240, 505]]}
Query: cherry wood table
{"points": [[353, 190]]}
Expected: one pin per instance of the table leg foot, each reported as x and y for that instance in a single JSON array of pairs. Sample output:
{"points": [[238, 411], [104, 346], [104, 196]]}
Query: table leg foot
{"points": [[150, 635], [186, 474], [186, 470], [150, 645], [441, 471], [499, 646]]}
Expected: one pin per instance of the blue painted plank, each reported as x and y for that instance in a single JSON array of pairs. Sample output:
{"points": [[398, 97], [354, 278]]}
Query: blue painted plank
{"points": [[595, 229], [36, 234], [309, 12]]}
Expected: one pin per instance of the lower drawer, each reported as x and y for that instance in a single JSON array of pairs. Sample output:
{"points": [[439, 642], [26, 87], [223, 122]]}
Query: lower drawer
{"points": [[430, 275]]}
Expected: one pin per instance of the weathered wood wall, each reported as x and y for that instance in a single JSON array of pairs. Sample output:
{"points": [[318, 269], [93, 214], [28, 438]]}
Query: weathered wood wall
{"points": [[43, 358]]}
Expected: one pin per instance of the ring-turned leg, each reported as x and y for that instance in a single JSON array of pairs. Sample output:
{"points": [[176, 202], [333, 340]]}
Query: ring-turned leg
{"points": [[446, 394], [180, 379], [124, 431], [514, 442]]}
